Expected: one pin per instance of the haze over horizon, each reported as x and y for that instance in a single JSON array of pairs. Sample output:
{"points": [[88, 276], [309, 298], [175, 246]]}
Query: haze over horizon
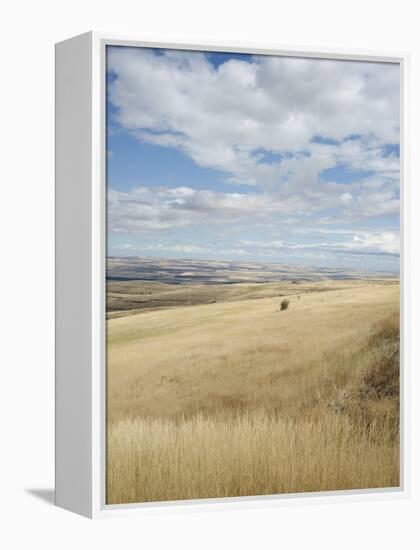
{"points": [[246, 158]]}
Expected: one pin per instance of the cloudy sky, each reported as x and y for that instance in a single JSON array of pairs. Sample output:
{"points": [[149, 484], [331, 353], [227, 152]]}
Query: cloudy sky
{"points": [[241, 157]]}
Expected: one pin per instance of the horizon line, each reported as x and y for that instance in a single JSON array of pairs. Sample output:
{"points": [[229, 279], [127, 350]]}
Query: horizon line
{"points": [[316, 266]]}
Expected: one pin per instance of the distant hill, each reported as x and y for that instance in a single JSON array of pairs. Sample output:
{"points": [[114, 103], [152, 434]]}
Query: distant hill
{"points": [[178, 271]]}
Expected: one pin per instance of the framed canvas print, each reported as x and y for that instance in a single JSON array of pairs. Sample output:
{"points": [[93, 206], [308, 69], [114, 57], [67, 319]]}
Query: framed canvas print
{"points": [[231, 314]]}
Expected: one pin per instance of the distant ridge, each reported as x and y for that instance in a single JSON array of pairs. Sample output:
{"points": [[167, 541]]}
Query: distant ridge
{"points": [[178, 271]]}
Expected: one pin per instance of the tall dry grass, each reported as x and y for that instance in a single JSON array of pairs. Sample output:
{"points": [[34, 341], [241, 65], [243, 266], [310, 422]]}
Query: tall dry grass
{"points": [[249, 454], [291, 408]]}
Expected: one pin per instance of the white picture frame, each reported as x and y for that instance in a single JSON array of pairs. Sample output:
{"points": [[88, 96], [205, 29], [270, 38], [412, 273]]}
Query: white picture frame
{"points": [[80, 276]]}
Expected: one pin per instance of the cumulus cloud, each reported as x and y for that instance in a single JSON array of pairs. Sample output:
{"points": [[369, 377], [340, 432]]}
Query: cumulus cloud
{"points": [[221, 117], [284, 127], [145, 209]]}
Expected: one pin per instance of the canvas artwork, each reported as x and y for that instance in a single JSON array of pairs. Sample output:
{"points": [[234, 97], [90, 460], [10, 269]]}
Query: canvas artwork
{"points": [[252, 277]]}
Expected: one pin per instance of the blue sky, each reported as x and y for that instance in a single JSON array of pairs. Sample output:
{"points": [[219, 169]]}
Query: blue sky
{"points": [[252, 158]]}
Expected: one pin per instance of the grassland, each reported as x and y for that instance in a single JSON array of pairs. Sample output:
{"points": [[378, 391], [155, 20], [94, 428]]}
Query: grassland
{"points": [[227, 395]]}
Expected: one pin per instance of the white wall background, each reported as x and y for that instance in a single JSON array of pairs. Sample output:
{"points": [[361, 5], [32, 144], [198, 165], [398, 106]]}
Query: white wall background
{"points": [[28, 32]]}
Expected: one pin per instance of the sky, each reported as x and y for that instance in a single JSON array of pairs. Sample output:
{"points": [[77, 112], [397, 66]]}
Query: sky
{"points": [[253, 158]]}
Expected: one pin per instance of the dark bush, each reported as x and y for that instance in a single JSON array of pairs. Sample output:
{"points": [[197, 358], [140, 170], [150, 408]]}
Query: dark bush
{"points": [[284, 304], [383, 378]]}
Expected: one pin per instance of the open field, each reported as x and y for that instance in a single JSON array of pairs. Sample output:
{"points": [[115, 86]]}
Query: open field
{"points": [[213, 391], [139, 284]]}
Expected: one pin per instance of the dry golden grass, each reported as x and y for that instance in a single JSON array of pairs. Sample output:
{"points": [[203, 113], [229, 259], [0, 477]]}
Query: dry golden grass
{"points": [[249, 454], [240, 398]]}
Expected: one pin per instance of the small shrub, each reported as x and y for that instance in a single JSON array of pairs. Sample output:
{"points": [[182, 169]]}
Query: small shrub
{"points": [[382, 379], [284, 304]]}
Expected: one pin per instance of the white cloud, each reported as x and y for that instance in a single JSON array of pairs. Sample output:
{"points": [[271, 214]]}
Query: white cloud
{"points": [[346, 198], [188, 249], [363, 242], [222, 117], [274, 124], [385, 242], [148, 209], [160, 208]]}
